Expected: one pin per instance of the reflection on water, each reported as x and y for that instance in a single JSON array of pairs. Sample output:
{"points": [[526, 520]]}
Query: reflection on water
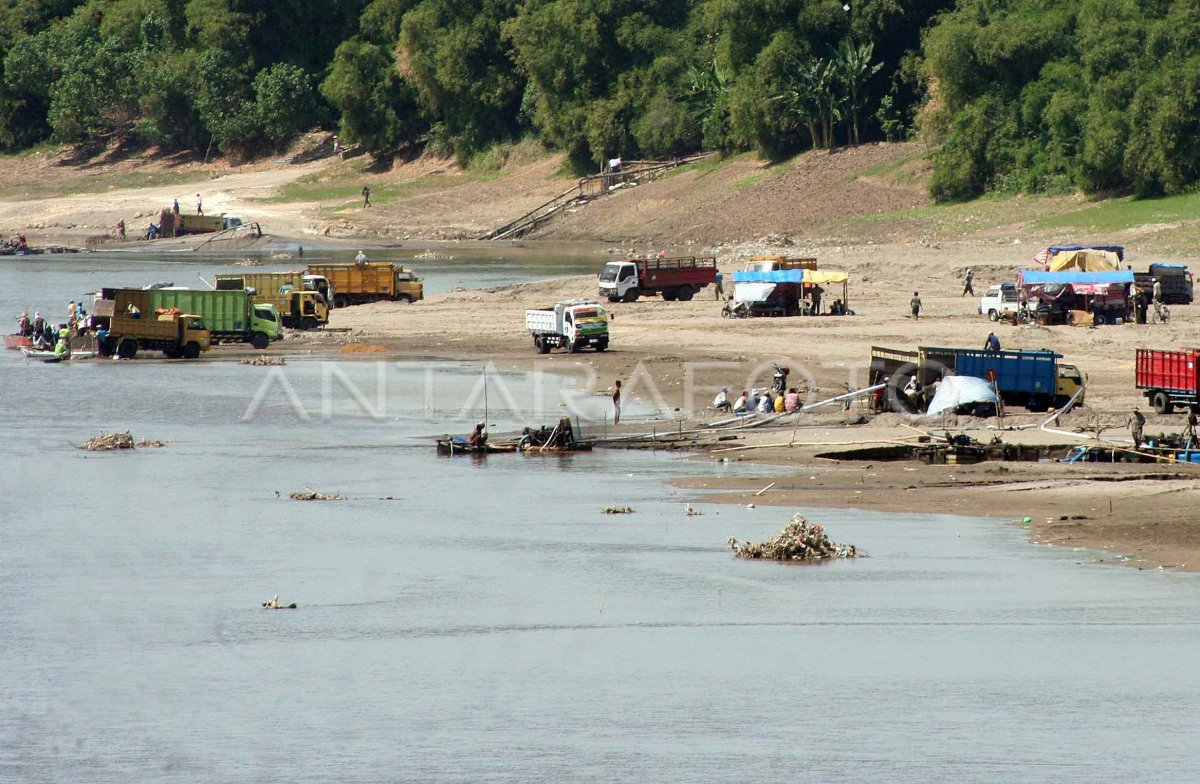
{"points": [[483, 620]]}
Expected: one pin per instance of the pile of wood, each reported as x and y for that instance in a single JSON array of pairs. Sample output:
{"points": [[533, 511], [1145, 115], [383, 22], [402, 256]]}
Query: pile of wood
{"points": [[109, 441], [308, 494], [263, 359], [800, 540]]}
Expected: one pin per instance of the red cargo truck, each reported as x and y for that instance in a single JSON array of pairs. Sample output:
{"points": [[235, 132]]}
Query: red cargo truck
{"points": [[675, 279], [1169, 378]]}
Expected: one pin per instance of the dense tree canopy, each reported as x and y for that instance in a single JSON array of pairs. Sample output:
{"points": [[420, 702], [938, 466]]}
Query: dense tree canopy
{"points": [[1010, 94]]}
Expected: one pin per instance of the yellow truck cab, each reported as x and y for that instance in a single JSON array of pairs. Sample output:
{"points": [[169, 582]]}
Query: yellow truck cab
{"points": [[298, 305], [1070, 380]]}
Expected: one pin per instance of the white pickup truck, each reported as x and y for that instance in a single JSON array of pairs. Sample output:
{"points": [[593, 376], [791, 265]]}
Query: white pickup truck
{"points": [[570, 325], [999, 301]]}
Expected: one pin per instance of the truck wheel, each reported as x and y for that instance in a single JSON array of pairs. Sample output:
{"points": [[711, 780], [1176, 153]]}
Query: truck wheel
{"points": [[574, 347], [106, 347], [542, 344], [993, 315], [308, 322], [1162, 403], [127, 348], [191, 350], [614, 299], [685, 293], [340, 301], [670, 295], [404, 299], [260, 340], [631, 295], [602, 345]]}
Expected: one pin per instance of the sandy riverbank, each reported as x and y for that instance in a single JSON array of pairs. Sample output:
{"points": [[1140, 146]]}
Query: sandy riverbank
{"points": [[677, 355]]}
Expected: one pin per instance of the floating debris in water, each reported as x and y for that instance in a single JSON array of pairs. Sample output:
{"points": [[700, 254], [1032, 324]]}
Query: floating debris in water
{"points": [[262, 359], [691, 511], [799, 540], [308, 494], [618, 510], [275, 604], [108, 441]]}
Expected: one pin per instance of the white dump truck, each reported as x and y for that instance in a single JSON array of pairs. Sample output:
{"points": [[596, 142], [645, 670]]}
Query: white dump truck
{"points": [[571, 325]]}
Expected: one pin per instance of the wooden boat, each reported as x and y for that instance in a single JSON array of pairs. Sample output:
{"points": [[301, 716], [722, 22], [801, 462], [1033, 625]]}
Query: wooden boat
{"points": [[530, 449], [451, 446], [33, 353], [17, 341]]}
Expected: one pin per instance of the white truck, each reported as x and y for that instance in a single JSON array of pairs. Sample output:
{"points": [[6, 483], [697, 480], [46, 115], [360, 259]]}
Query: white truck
{"points": [[570, 325], [999, 301]]}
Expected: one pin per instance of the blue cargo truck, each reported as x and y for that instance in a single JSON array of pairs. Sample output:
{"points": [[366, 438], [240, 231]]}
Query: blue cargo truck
{"points": [[1033, 379]]}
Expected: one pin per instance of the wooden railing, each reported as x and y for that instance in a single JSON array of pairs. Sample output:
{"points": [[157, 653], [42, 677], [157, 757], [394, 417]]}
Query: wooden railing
{"points": [[591, 187]]}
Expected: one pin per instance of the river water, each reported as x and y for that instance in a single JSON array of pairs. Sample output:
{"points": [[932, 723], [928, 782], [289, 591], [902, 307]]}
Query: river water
{"points": [[467, 620]]}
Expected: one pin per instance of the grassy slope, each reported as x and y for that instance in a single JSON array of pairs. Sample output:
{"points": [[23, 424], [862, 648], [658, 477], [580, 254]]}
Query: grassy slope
{"points": [[870, 194]]}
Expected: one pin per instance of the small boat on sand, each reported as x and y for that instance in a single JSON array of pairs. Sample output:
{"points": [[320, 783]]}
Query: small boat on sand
{"points": [[531, 449]]}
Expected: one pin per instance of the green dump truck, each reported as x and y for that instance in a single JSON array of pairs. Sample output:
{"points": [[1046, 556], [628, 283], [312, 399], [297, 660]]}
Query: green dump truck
{"points": [[232, 316], [298, 306]]}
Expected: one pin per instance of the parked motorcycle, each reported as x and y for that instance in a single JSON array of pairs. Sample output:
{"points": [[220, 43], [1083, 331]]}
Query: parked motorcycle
{"points": [[733, 309]]}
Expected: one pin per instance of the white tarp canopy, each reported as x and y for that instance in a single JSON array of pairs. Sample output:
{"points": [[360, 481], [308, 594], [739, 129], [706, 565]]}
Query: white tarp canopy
{"points": [[955, 391], [752, 292]]}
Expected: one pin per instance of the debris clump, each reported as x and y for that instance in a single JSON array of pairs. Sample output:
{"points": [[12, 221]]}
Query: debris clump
{"points": [[308, 494], [618, 510], [263, 359], [799, 540], [275, 604], [106, 442]]}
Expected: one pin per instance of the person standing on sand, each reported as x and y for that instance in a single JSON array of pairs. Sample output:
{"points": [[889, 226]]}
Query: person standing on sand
{"points": [[199, 205], [616, 399], [366, 194], [719, 291], [968, 280], [1136, 422], [915, 304]]}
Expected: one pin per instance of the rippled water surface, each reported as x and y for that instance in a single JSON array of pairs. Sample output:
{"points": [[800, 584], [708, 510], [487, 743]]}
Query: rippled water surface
{"points": [[473, 620]]}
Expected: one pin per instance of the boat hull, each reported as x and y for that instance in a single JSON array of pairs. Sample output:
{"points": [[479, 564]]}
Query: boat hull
{"points": [[16, 341], [31, 353], [446, 446]]}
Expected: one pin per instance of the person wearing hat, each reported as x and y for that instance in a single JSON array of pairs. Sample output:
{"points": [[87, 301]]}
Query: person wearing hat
{"points": [[478, 437], [1137, 421]]}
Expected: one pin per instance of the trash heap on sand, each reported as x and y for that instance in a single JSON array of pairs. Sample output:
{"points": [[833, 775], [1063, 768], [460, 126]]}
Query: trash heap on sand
{"points": [[799, 540], [108, 441]]}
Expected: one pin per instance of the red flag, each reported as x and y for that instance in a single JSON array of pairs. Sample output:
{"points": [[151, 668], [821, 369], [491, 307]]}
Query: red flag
{"points": [[1043, 258]]}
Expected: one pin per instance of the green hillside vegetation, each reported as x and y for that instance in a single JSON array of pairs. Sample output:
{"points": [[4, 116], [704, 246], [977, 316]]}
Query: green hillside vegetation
{"points": [[1099, 96]]}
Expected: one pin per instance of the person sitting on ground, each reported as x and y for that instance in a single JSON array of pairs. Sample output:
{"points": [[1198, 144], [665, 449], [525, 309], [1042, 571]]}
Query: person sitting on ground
{"points": [[791, 401], [478, 437], [752, 400], [778, 405], [721, 401], [742, 403], [765, 404], [992, 343]]}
